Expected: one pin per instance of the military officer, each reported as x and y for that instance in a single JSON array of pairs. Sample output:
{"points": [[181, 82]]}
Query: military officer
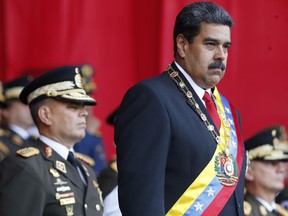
{"points": [[3, 147], [17, 117], [47, 179], [266, 173]]}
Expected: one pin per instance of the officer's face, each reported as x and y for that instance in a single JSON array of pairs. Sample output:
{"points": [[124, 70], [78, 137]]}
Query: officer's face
{"points": [[209, 47], [18, 114], [67, 122], [267, 176]]}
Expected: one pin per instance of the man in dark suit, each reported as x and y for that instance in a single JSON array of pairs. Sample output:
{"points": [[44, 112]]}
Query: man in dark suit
{"points": [[47, 179], [173, 156], [267, 171]]}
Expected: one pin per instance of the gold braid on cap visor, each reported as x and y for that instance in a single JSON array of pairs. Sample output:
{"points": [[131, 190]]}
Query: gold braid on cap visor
{"points": [[13, 93], [266, 152], [57, 89]]}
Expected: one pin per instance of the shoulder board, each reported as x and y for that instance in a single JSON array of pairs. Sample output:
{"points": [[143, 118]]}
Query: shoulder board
{"points": [[4, 132], [247, 208], [281, 210], [3, 148], [85, 158], [28, 152]]}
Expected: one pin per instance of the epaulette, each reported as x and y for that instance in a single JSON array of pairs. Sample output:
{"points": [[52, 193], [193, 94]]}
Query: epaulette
{"points": [[113, 166], [4, 132], [28, 152], [282, 211], [247, 208], [85, 158], [3, 148]]}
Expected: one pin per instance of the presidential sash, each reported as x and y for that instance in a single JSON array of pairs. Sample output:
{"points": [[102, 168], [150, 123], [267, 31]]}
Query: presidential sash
{"points": [[211, 190]]}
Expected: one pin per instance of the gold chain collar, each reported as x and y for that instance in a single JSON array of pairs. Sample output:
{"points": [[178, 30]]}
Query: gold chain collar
{"points": [[223, 145]]}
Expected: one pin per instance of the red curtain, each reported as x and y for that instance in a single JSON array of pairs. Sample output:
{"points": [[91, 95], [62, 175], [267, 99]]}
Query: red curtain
{"points": [[126, 41]]}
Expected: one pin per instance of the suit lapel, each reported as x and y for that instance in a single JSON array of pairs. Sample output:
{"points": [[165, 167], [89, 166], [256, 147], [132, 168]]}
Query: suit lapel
{"points": [[63, 166], [197, 99]]}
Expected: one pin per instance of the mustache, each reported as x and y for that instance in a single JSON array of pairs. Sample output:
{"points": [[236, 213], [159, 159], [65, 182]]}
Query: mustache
{"points": [[217, 65]]}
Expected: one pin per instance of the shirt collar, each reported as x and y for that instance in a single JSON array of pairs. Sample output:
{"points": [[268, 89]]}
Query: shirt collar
{"points": [[199, 91], [20, 131], [268, 206], [62, 150]]}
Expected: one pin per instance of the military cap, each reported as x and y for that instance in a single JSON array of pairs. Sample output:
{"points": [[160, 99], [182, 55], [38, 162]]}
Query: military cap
{"points": [[269, 145], [63, 83], [87, 72], [13, 88]]}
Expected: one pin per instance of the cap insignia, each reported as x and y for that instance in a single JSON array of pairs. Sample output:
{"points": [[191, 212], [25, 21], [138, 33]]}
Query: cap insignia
{"points": [[78, 78]]}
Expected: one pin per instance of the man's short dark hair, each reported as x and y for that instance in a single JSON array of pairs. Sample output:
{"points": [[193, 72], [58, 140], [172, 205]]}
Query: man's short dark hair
{"points": [[189, 19]]}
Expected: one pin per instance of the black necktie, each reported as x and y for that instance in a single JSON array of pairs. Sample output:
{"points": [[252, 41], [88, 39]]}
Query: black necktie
{"points": [[73, 160], [75, 163]]}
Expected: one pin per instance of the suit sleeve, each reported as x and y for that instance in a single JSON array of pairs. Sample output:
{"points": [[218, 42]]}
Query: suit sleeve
{"points": [[142, 137], [21, 192]]}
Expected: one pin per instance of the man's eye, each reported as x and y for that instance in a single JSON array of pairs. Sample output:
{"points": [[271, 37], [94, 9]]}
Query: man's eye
{"points": [[226, 46]]}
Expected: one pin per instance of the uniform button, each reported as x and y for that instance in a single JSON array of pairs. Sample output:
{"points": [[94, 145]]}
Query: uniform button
{"points": [[85, 206], [98, 207]]}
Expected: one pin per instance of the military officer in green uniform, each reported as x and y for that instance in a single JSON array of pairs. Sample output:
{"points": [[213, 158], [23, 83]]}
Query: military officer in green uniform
{"points": [[266, 173], [47, 179]]}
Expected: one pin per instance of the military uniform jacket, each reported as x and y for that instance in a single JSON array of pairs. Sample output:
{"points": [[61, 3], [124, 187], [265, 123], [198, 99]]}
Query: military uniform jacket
{"points": [[162, 146], [252, 207], [46, 184], [13, 141]]}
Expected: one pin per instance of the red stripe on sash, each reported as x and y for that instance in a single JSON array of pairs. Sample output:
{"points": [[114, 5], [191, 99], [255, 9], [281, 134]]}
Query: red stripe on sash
{"points": [[223, 196]]}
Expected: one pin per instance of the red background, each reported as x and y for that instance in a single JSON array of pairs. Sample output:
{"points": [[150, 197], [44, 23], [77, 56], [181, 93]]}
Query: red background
{"points": [[126, 41]]}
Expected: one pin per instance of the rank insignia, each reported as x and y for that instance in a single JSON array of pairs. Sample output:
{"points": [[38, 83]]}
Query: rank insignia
{"points": [[28, 152], [54, 172], [61, 166], [48, 151], [226, 169]]}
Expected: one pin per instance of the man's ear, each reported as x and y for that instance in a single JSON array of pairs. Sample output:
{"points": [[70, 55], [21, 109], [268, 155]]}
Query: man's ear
{"points": [[182, 45], [44, 114], [249, 176]]}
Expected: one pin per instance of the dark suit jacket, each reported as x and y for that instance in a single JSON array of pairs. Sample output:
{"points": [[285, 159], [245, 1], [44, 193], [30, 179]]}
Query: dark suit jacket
{"points": [[162, 146], [28, 187]]}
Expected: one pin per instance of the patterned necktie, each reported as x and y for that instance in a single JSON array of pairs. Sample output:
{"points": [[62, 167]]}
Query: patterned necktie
{"points": [[210, 106]]}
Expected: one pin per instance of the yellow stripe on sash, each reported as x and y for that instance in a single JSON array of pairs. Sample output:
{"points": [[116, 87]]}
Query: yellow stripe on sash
{"points": [[194, 190]]}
